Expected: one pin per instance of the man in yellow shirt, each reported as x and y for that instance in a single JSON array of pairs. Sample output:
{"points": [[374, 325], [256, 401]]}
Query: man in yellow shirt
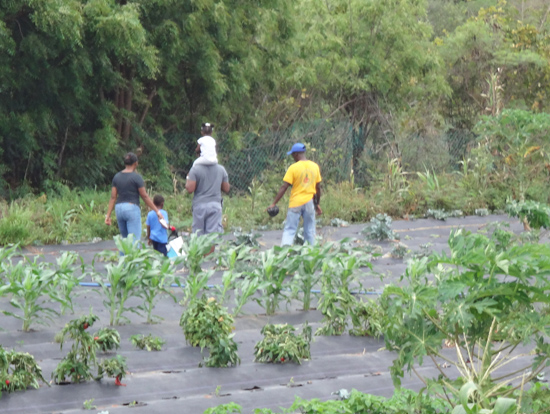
{"points": [[305, 177]]}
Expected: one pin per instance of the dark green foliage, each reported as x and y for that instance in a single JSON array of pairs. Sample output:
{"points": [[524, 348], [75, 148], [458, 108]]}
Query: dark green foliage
{"points": [[18, 371], [207, 324], [281, 345], [536, 214], [108, 339], [149, 342], [380, 228], [78, 363], [114, 367]]}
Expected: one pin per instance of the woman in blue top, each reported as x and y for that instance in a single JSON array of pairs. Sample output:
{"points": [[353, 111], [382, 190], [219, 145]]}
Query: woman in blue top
{"points": [[127, 188]]}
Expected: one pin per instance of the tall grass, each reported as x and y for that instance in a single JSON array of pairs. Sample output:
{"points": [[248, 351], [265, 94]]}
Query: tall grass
{"points": [[78, 216]]}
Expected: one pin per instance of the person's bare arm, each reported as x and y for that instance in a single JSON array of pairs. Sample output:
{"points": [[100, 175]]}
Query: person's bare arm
{"points": [[112, 201], [143, 194], [198, 150], [226, 187], [190, 186], [317, 199], [148, 234], [280, 193]]}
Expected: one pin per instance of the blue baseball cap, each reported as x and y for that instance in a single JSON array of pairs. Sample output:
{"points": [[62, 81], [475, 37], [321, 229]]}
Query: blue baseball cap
{"points": [[298, 147]]}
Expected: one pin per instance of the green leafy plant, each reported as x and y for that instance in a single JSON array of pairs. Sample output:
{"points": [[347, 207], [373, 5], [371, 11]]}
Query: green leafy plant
{"points": [[195, 284], [442, 214], [228, 408], [246, 239], [308, 274], [276, 265], [158, 275], [31, 284], [367, 319], [480, 296], [19, 371], [149, 342], [77, 364], [398, 251], [207, 324], [89, 404], [107, 339], [533, 214], [379, 228], [123, 280], [337, 302], [114, 368], [195, 249], [281, 345], [204, 321]]}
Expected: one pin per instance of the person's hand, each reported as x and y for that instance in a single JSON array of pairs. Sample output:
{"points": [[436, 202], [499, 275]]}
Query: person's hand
{"points": [[149, 242], [108, 220], [271, 206], [318, 210]]}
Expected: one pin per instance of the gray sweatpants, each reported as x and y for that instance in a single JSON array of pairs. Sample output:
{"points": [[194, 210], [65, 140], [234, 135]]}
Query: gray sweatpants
{"points": [[207, 218]]}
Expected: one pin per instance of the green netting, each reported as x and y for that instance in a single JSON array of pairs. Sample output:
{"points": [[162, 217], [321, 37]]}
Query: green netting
{"points": [[334, 145]]}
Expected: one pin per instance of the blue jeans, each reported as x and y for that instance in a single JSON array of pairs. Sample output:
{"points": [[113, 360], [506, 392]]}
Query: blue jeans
{"points": [[128, 217], [307, 212]]}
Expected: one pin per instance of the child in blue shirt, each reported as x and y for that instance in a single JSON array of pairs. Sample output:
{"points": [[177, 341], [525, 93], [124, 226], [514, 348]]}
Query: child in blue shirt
{"points": [[156, 230]]}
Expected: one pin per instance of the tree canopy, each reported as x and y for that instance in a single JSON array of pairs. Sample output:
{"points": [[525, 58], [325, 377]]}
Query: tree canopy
{"points": [[82, 81]]}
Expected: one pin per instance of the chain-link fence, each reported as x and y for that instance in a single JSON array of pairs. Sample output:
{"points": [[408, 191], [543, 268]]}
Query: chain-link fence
{"points": [[336, 146]]}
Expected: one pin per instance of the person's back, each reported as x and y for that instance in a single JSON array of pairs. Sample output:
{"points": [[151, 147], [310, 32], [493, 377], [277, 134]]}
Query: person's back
{"points": [[209, 179], [207, 183]]}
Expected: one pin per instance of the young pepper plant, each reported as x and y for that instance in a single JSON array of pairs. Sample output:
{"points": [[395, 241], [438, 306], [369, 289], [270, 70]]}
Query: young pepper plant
{"points": [[77, 364], [19, 371], [483, 302]]}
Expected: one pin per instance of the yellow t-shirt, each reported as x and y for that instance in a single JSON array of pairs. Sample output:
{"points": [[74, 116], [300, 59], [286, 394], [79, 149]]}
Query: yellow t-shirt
{"points": [[303, 177]]}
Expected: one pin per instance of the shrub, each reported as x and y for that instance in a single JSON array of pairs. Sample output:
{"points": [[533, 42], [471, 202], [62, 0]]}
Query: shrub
{"points": [[19, 371], [280, 344], [149, 342]]}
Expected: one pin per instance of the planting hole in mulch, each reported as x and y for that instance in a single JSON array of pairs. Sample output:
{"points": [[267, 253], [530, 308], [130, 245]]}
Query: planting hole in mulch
{"points": [[171, 372], [171, 398], [254, 388], [134, 404]]}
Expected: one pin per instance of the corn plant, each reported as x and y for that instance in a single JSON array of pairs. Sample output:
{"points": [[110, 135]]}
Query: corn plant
{"points": [[195, 250], [281, 345], [123, 279], [66, 280], [79, 361], [19, 371], [149, 342], [245, 290], [483, 302], [157, 277], [195, 283], [229, 258], [32, 285], [310, 262], [336, 302], [276, 266]]}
